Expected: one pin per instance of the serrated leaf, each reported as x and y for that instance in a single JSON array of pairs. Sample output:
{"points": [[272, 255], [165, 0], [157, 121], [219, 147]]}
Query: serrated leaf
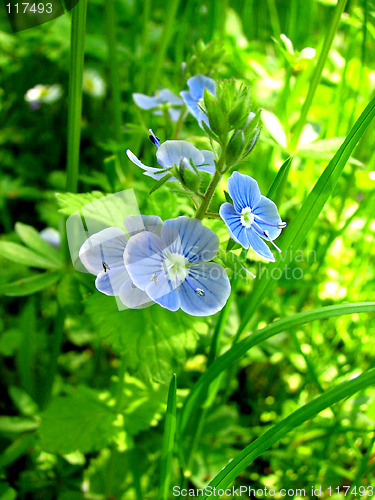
{"points": [[152, 348], [31, 238], [70, 202], [22, 255], [29, 285], [76, 422]]}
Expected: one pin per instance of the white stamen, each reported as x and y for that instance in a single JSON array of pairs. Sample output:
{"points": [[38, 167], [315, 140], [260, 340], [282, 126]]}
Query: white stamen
{"points": [[247, 217]]}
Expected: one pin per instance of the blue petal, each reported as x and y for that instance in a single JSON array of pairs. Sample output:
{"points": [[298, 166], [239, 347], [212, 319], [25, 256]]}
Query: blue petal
{"points": [[209, 162], [267, 211], [139, 164], [105, 246], [193, 107], [145, 102], [133, 297], [258, 245], [198, 83], [174, 114], [244, 191], [110, 282], [169, 97], [190, 238], [213, 281], [171, 153], [136, 223], [164, 293], [233, 221], [143, 258]]}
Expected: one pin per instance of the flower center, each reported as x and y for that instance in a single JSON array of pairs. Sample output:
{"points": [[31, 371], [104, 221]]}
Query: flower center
{"points": [[175, 265], [247, 217]]}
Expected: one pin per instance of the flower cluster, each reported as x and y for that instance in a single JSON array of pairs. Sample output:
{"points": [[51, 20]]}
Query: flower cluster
{"points": [[43, 94], [171, 263], [154, 262]]}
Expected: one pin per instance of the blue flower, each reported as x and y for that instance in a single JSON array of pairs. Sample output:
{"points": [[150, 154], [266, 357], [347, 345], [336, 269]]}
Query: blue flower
{"points": [[194, 96], [175, 269], [171, 153], [252, 217], [161, 98], [102, 254]]}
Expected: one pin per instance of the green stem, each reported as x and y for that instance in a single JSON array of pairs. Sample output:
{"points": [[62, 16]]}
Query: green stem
{"points": [[179, 123], [201, 211], [317, 73], [165, 38], [114, 81], [77, 48]]}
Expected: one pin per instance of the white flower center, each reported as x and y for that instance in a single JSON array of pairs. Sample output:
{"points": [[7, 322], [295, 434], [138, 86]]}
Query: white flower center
{"points": [[175, 265], [247, 217]]}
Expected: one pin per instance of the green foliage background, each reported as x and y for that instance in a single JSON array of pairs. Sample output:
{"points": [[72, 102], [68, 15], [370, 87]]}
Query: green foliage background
{"points": [[85, 386]]}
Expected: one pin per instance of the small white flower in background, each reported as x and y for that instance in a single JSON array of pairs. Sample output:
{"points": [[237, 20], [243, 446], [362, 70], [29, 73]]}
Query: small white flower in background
{"points": [[43, 94], [51, 236], [93, 84]]}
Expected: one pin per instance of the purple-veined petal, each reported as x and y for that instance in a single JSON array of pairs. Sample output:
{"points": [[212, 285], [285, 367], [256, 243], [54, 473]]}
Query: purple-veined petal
{"points": [[198, 83], [110, 281], [213, 286], [106, 246], [233, 221], [171, 153], [268, 217], [145, 102], [258, 245], [143, 258], [190, 238], [133, 297], [164, 293], [209, 162], [244, 191], [169, 97], [136, 223]]}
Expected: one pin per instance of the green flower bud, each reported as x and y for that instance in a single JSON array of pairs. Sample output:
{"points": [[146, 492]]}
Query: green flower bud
{"points": [[216, 118], [234, 149], [188, 178]]}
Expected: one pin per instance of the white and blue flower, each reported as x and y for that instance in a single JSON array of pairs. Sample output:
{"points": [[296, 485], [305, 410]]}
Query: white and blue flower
{"points": [[194, 96], [174, 269], [175, 153], [102, 254], [252, 216], [164, 97]]}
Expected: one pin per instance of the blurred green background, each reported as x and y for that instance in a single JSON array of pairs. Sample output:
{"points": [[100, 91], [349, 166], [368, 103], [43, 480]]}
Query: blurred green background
{"points": [[60, 346]]}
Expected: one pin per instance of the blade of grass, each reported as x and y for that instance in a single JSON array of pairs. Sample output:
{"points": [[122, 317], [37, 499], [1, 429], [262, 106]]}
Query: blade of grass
{"points": [[197, 395], [280, 176], [315, 80], [77, 48], [297, 231], [168, 441], [278, 431]]}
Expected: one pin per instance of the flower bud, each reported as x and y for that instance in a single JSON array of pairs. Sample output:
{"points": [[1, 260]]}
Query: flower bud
{"points": [[188, 178], [234, 149], [215, 115]]}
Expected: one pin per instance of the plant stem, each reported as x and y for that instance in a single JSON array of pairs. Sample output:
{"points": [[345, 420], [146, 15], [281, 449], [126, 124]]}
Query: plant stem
{"points": [[317, 73], [77, 48], [201, 212], [165, 38], [114, 81], [179, 123]]}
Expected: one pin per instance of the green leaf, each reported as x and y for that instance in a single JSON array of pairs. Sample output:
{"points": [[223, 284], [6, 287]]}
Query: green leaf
{"points": [[232, 245], [160, 183], [6, 492], [32, 239], [323, 150], [152, 348], [296, 232], [22, 255], [17, 424], [198, 393], [68, 294], [278, 431], [70, 202], [168, 441], [280, 176], [227, 197], [29, 285], [76, 422]]}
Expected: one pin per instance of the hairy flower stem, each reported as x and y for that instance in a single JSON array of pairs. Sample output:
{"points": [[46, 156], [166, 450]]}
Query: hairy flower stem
{"points": [[201, 212]]}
